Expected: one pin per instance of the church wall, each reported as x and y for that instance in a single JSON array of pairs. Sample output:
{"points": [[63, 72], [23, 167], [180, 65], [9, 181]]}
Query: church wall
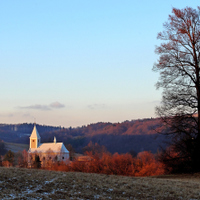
{"points": [[48, 158]]}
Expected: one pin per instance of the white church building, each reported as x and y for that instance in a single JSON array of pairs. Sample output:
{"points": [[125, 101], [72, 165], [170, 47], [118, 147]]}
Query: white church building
{"points": [[48, 152]]}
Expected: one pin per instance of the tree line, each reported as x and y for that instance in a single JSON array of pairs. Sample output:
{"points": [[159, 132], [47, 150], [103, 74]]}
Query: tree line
{"points": [[144, 164]]}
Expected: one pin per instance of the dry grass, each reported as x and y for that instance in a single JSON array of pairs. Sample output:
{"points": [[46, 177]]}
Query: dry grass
{"points": [[17, 183]]}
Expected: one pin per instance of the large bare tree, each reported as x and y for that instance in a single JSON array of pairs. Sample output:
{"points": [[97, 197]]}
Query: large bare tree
{"points": [[178, 65]]}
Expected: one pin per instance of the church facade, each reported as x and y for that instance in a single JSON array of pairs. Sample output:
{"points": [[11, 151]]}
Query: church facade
{"points": [[48, 153]]}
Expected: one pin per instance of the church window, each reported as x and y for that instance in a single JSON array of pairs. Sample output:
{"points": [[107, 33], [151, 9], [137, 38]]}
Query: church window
{"points": [[63, 158], [33, 140]]}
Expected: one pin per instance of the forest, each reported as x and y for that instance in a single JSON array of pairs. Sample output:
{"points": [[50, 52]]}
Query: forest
{"points": [[128, 136]]}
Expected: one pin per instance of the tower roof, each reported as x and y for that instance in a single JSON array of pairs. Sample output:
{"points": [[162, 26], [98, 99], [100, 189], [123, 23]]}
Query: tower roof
{"points": [[35, 133]]}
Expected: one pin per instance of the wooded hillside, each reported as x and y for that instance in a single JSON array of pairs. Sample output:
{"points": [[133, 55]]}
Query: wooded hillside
{"points": [[135, 135]]}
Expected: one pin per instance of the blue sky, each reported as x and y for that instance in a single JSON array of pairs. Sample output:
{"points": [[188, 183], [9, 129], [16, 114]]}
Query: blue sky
{"points": [[73, 63]]}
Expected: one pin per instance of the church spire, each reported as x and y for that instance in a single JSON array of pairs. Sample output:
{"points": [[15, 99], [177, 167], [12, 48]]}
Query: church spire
{"points": [[34, 138]]}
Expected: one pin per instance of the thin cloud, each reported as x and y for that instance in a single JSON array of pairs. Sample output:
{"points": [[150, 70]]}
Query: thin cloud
{"points": [[96, 106], [27, 115], [57, 105], [54, 105], [36, 107], [9, 115]]}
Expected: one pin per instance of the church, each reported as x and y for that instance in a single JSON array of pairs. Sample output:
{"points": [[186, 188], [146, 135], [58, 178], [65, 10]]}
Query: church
{"points": [[48, 153]]}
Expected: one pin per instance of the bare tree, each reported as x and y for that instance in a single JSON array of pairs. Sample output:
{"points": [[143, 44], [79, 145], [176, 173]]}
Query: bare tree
{"points": [[178, 65]]}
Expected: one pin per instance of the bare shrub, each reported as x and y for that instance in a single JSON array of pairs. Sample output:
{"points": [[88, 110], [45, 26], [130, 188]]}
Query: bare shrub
{"points": [[144, 165]]}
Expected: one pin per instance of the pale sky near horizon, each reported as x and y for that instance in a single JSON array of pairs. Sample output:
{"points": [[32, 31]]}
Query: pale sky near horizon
{"points": [[72, 63]]}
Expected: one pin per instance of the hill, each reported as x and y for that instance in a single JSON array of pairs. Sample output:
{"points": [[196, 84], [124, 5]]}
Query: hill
{"points": [[15, 147], [18, 183], [128, 136]]}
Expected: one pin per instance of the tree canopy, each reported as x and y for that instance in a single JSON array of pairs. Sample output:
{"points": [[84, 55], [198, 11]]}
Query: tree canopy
{"points": [[178, 65], [9, 156]]}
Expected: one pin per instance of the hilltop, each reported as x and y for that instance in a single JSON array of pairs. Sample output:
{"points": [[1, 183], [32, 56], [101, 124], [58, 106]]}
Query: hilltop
{"points": [[135, 135]]}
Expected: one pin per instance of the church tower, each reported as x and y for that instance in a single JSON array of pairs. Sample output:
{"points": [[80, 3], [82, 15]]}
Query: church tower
{"points": [[34, 138]]}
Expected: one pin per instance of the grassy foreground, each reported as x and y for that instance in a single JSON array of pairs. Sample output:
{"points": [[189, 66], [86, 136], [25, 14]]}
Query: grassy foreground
{"points": [[18, 183]]}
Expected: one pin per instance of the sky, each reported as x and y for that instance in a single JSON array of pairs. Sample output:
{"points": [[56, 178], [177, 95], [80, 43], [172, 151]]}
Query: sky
{"points": [[72, 63]]}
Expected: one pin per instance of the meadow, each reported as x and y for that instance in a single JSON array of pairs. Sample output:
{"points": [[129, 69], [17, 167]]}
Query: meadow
{"points": [[16, 147], [19, 183]]}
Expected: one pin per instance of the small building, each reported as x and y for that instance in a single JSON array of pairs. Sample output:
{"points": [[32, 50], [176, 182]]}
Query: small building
{"points": [[48, 153], [82, 158]]}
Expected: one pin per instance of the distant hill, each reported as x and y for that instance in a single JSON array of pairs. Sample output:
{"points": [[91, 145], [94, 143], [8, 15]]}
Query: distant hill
{"points": [[20, 133], [15, 147], [135, 135]]}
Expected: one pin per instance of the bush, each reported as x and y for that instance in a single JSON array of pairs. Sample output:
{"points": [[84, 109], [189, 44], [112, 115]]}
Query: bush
{"points": [[144, 165]]}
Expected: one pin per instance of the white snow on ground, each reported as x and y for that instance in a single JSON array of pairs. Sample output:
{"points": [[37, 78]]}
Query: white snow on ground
{"points": [[78, 186]]}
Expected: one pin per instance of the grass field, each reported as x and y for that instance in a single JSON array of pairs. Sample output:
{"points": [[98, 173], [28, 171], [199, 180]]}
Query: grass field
{"points": [[15, 147], [18, 183]]}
